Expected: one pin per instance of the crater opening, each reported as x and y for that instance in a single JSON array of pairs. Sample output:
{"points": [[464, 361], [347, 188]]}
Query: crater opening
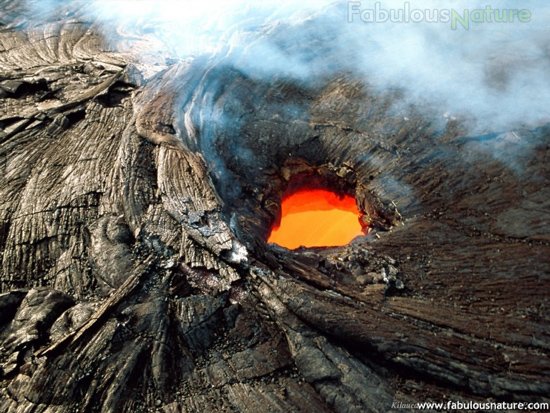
{"points": [[317, 218]]}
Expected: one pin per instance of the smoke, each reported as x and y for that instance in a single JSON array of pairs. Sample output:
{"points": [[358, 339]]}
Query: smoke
{"points": [[481, 62], [495, 74]]}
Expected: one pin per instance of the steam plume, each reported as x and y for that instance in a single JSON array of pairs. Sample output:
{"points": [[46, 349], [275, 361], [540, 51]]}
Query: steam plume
{"points": [[496, 75]]}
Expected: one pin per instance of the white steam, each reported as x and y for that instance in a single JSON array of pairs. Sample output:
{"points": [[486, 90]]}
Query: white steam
{"points": [[495, 75]]}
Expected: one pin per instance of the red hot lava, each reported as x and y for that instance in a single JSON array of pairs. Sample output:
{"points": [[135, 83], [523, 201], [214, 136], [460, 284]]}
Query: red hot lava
{"points": [[317, 218]]}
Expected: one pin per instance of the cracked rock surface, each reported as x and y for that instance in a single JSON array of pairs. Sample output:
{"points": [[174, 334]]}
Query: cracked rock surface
{"points": [[134, 273]]}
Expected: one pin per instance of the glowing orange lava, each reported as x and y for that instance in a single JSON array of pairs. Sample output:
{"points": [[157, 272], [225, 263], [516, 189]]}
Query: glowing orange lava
{"points": [[317, 218]]}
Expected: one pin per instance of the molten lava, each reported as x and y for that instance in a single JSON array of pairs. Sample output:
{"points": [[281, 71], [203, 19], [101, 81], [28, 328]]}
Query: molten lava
{"points": [[317, 218]]}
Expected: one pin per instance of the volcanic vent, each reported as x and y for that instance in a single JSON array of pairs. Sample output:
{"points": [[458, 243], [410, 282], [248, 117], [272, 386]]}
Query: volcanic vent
{"points": [[317, 218]]}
